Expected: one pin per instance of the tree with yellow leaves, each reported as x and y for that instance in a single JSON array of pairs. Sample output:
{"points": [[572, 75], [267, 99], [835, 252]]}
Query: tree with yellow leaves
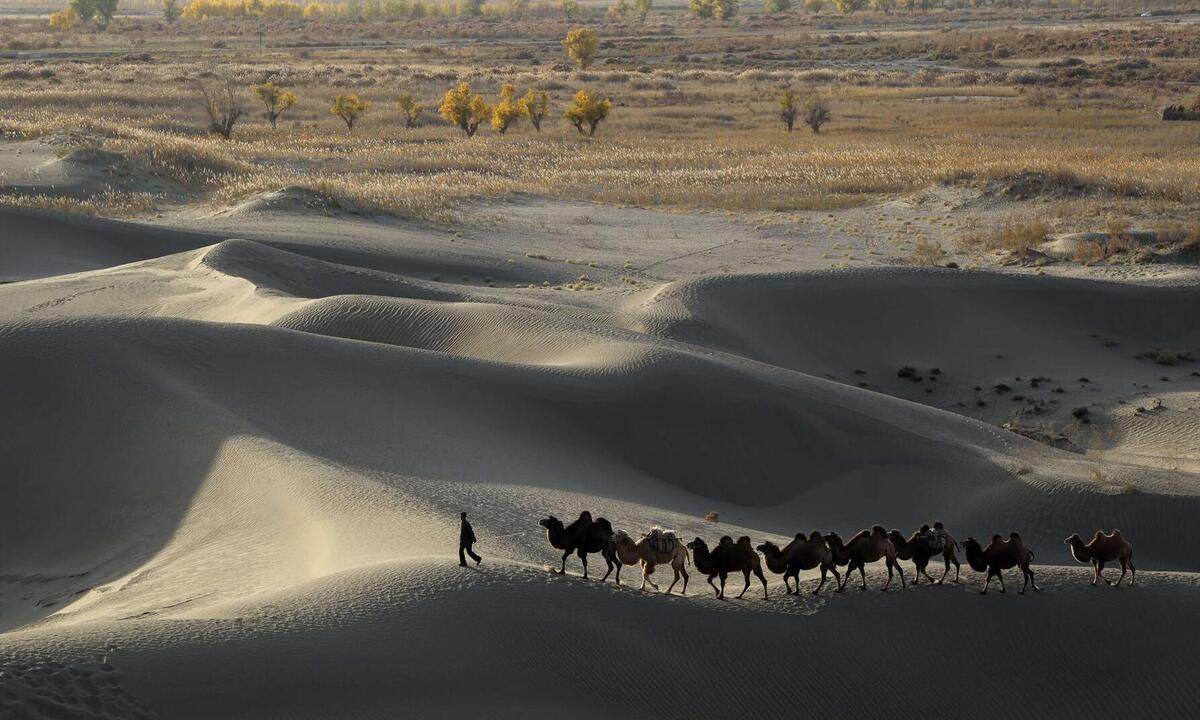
{"points": [[508, 110], [789, 108], [581, 45], [349, 108], [464, 109], [275, 99], [63, 20], [535, 105], [411, 108], [588, 110]]}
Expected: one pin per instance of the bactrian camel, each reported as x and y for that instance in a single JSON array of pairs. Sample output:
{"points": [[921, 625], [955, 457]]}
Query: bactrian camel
{"points": [[1001, 555], [801, 554], [649, 554], [1105, 549]]}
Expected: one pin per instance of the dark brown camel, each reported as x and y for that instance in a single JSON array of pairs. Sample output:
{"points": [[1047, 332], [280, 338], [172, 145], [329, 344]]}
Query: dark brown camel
{"points": [[727, 558], [801, 554], [866, 547], [1001, 555], [923, 546], [580, 537], [1105, 549]]}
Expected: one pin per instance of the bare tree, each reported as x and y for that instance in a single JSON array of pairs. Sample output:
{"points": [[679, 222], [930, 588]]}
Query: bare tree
{"points": [[224, 107], [816, 112]]}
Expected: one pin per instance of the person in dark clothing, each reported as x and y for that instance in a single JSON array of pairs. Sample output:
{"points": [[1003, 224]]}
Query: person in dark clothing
{"points": [[466, 538]]}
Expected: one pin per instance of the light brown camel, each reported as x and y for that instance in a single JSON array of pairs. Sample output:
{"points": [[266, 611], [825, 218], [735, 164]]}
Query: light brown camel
{"points": [[1104, 549], [1001, 555], [923, 546], [580, 537], [801, 554], [868, 546], [647, 552], [726, 558]]}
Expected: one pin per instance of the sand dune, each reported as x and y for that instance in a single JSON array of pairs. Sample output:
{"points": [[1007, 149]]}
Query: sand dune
{"points": [[238, 466]]}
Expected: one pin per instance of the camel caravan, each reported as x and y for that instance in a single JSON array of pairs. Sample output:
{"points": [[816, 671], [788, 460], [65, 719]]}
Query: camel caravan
{"points": [[827, 552]]}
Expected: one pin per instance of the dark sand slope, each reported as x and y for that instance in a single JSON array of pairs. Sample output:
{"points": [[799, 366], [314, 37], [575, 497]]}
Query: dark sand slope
{"points": [[238, 468]]}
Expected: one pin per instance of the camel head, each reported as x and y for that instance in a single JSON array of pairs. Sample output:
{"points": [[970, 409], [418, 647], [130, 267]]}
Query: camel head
{"points": [[697, 544], [744, 540], [1014, 537], [768, 548], [1074, 540], [834, 540], [551, 523], [725, 540], [895, 536]]}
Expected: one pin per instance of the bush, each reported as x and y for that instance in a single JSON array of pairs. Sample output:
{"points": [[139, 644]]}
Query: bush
{"points": [[508, 110], [816, 112], [63, 20], [349, 108], [581, 45], [587, 110], [275, 99], [410, 108], [719, 9], [788, 109], [777, 6], [85, 10], [224, 107], [170, 10], [1017, 236], [534, 106], [464, 109]]}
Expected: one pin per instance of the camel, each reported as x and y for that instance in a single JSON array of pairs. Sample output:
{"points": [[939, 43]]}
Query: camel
{"points": [[728, 557], [801, 554], [866, 547], [1001, 555], [1103, 549], [921, 548], [580, 537], [646, 552]]}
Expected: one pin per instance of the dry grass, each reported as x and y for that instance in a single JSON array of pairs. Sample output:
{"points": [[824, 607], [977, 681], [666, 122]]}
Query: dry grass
{"points": [[1019, 236]]}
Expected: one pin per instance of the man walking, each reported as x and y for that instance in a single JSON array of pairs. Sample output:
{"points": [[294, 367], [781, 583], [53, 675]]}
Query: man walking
{"points": [[466, 538]]}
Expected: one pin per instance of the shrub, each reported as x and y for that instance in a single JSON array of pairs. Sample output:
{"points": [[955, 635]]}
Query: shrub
{"points": [[587, 110], [534, 106], [170, 10], [927, 253], [349, 108], [63, 20], [85, 10], [777, 6], [788, 109], [643, 7], [464, 109], [1017, 236], [711, 516], [224, 107], [816, 112], [848, 7], [581, 45], [719, 9], [275, 99], [105, 10], [619, 9], [410, 108], [507, 111]]}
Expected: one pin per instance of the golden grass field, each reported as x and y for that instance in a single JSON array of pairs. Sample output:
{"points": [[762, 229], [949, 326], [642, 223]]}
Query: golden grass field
{"points": [[912, 107]]}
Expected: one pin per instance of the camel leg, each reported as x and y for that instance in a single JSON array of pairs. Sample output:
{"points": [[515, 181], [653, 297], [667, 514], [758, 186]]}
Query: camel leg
{"points": [[763, 579], [714, 587], [1100, 573], [722, 595], [899, 570], [787, 583], [1032, 581], [1000, 577], [647, 570], [836, 578], [618, 572], [986, 582], [563, 570], [672, 585], [607, 561], [862, 573], [824, 574], [685, 581], [743, 592], [1132, 572]]}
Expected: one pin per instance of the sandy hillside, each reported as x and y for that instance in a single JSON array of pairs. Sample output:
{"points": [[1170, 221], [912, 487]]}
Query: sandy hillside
{"points": [[236, 445]]}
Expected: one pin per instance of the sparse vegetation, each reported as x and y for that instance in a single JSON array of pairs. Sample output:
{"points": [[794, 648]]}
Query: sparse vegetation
{"points": [[224, 107], [1018, 236], [789, 107], [410, 109]]}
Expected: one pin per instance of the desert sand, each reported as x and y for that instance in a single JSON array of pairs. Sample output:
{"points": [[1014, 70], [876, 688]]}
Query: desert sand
{"points": [[236, 445]]}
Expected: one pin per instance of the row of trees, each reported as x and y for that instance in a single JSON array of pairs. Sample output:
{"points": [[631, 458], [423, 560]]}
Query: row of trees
{"points": [[460, 106], [102, 11]]}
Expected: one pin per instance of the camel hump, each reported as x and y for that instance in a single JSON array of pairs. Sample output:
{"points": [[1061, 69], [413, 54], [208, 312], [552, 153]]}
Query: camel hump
{"points": [[744, 540], [861, 534], [604, 523], [1116, 534]]}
